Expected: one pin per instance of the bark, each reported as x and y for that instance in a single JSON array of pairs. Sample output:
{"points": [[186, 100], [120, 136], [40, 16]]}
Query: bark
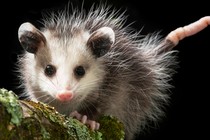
{"points": [[28, 120]]}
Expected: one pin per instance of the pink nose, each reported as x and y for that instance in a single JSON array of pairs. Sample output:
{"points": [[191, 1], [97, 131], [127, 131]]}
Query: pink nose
{"points": [[65, 95]]}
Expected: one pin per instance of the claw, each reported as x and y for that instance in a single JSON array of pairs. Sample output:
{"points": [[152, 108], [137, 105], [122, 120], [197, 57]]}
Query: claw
{"points": [[83, 119], [93, 125]]}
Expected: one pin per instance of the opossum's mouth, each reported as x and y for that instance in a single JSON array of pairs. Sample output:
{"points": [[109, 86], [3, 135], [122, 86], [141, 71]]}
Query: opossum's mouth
{"points": [[65, 107]]}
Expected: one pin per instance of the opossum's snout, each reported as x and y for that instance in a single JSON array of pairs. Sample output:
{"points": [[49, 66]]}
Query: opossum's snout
{"points": [[65, 95]]}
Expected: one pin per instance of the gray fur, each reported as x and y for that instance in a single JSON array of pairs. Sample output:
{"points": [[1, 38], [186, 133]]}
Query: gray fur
{"points": [[135, 86]]}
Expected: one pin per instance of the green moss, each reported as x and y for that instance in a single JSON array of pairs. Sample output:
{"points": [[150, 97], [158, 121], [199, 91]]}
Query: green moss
{"points": [[9, 100], [25, 120], [111, 128], [72, 127]]}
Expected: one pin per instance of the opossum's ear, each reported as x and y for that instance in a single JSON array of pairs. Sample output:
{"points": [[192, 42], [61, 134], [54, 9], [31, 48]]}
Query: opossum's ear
{"points": [[30, 37], [101, 40]]}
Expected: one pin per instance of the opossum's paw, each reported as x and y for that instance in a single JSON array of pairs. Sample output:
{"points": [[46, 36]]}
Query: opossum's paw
{"points": [[83, 119]]}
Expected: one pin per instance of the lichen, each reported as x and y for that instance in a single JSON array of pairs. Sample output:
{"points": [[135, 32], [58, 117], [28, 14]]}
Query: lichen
{"points": [[73, 126], [9, 100], [22, 120], [111, 128]]}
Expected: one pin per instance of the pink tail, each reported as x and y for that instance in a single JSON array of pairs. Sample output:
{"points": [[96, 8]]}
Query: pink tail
{"points": [[189, 30]]}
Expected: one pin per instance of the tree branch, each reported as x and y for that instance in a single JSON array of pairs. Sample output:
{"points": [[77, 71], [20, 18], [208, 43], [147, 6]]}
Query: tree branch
{"points": [[23, 120]]}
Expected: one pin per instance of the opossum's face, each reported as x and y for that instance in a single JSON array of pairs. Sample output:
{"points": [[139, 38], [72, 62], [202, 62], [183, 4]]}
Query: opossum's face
{"points": [[66, 69]]}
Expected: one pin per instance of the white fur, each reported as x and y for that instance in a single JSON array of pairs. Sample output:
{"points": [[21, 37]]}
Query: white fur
{"points": [[65, 56], [107, 31], [25, 27], [137, 75]]}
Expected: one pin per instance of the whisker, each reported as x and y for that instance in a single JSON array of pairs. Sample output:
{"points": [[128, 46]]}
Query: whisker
{"points": [[42, 96], [41, 79], [53, 84], [88, 106], [52, 99], [74, 87], [89, 84]]}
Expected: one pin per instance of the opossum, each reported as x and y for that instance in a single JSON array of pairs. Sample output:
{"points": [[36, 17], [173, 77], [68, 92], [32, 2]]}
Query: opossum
{"points": [[90, 64]]}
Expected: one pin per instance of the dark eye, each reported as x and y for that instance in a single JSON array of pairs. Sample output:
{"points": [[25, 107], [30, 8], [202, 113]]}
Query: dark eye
{"points": [[79, 71], [50, 70]]}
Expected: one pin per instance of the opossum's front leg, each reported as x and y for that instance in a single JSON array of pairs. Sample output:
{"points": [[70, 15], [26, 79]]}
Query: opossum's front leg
{"points": [[83, 119]]}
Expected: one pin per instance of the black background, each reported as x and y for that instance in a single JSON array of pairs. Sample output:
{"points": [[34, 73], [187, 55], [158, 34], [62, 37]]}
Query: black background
{"points": [[187, 115]]}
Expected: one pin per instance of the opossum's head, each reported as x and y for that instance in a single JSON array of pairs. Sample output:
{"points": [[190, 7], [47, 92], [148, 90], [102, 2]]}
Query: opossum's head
{"points": [[64, 68]]}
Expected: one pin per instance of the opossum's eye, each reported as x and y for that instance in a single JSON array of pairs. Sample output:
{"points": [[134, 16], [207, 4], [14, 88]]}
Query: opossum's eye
{"points": [[79, 71], [50, 70]]}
